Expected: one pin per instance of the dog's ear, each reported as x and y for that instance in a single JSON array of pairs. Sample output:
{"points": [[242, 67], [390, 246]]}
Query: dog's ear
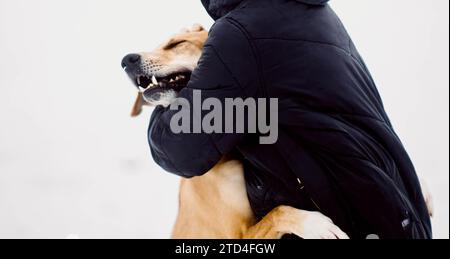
{"points": [[137, 108], [197, 27], [184, 30]]}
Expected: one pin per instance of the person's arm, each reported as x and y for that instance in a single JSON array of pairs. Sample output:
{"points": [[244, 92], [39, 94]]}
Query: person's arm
{"points": [[227, 69]]}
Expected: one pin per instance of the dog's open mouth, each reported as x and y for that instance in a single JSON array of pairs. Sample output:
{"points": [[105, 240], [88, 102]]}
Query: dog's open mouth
{"points": [[175, 82]]}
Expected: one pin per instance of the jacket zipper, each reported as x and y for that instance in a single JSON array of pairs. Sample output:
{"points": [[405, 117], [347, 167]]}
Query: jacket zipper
{"points": [[302, 186]]}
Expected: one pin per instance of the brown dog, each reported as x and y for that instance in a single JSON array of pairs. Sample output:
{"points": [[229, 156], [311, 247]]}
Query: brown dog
{"points": [[226, 212], [214, 205]]}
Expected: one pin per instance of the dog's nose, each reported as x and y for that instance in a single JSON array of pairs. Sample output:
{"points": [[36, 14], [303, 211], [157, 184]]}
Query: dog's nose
{"points": [[131, 61]]}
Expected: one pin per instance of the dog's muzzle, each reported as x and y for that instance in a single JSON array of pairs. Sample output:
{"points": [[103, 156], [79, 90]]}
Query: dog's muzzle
{"points": [[131, 63]]}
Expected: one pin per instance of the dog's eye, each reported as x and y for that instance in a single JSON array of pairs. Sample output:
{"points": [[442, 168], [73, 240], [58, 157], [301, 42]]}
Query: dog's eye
{"points": [[174, 44]]}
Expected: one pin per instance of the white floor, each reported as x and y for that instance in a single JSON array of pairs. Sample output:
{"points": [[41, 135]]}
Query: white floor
{"points": [[72, 162]]}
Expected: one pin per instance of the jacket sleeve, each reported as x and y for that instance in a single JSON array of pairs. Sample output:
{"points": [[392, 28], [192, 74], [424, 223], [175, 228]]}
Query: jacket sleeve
{"points": [[227, 69]]}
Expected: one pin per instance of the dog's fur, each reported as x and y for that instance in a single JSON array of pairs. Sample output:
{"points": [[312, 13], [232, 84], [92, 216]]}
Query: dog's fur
{"points": [[216, 205]]}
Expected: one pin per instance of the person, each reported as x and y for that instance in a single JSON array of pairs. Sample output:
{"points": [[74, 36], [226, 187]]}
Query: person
{"points": [[337, 151]]}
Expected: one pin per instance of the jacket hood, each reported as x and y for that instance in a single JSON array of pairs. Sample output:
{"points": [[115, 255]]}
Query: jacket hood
{"points": [[219, 8]]}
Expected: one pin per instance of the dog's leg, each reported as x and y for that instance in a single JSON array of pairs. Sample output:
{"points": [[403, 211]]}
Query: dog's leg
{"points": [[285, 220]]}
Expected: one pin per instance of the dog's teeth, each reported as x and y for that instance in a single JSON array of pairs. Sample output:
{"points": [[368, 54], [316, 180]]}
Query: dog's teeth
{"points": [[139, 81], [171, 80], [142, 89], [154, 81]]}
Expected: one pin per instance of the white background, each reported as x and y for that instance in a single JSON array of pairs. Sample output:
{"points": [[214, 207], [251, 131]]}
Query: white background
{"points": [[72, 161]]}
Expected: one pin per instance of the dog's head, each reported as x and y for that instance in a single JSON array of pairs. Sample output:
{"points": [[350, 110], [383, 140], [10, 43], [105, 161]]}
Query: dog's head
{"points": [[159, 75]]}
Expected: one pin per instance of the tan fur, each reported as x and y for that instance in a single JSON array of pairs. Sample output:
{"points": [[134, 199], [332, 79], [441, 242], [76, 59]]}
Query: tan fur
{"points": [[216, 206], [137, 107]]}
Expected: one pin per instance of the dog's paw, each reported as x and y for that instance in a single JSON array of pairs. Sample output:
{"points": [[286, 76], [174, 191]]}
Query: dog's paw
{"points": [[314, 225], [307, 224]]}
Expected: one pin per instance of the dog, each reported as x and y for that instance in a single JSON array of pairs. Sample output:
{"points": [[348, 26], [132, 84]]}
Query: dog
{"points": [[226, 212]]}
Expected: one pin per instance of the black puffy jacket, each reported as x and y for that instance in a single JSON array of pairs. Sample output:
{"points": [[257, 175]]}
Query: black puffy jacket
{"points": [[337, 151]]}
